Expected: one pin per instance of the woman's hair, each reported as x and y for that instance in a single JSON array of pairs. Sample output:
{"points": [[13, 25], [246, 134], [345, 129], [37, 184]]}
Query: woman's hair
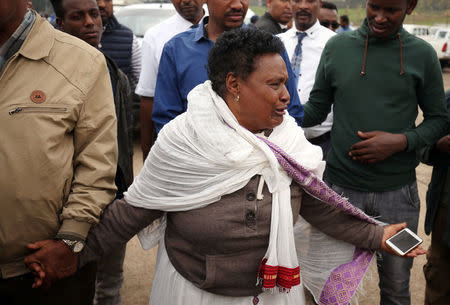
{"points": [[235, 51]]}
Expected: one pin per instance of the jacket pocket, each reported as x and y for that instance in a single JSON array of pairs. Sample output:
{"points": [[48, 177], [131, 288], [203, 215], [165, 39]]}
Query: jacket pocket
{"points": [[232, 272], [37, 109]]}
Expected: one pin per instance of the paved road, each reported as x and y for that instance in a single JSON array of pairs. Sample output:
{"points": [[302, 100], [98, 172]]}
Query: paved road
{"points": [[139, 264]]}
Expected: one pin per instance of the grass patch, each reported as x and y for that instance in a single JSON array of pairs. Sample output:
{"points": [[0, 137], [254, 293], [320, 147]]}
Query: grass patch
{"points": [[259, 10]]}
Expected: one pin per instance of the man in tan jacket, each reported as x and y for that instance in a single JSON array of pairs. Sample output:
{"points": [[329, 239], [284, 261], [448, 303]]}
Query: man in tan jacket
{"points": [[59, 150]]}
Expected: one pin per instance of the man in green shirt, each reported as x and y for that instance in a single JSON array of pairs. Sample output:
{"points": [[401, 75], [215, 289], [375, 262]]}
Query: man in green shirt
{"points": [[375, 78]]}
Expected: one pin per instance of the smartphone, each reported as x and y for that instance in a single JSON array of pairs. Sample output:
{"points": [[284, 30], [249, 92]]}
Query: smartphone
{"points": [[404, 241]]}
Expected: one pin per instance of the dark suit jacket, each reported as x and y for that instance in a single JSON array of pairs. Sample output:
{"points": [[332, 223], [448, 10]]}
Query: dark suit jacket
{"points": [[267, 23]]}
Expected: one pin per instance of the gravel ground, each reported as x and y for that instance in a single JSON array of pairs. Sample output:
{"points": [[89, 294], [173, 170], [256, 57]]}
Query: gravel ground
{"points": [[139, 264]]}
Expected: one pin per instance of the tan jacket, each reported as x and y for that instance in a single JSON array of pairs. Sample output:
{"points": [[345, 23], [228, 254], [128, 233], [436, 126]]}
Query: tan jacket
{"points": [[58, 140]]}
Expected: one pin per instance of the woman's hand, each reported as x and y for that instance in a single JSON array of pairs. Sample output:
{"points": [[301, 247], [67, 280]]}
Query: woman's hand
{"points": [[391, 230]]}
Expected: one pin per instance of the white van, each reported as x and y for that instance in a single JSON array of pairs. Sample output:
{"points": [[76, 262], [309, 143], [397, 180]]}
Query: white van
{"points": [[417, 30]]}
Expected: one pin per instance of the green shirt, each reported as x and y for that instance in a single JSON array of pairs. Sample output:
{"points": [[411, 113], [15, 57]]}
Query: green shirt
{"points": [[382, 99]]}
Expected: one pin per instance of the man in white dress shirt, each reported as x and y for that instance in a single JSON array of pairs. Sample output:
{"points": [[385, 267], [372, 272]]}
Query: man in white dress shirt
{"points": [[314, 37], [189, 14]]}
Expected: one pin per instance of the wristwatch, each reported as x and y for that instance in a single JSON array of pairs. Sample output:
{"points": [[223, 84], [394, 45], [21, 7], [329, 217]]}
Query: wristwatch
{"points": [[75, 245]]}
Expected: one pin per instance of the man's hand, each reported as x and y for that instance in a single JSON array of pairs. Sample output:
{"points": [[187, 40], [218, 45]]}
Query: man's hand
{"points": [[52, 260], [390, 231], [377, 146], [443, 145]]}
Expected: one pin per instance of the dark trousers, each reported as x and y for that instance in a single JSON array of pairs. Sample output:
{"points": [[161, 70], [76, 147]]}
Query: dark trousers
{"points": [[75, 290], [437, 268]]}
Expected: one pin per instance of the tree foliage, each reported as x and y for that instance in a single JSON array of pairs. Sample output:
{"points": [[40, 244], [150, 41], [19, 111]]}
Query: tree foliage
{"points": [[429, 5]]}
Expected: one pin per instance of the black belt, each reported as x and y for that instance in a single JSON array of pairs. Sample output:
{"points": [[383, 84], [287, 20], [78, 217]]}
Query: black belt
{"points": [[320, 139]]}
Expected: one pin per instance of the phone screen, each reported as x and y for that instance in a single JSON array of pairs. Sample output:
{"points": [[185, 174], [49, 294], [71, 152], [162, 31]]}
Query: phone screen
{"points": [[404, 241]]}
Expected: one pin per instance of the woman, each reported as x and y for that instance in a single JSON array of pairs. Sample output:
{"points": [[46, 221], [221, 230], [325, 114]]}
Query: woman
{"points": [[217, 181]]}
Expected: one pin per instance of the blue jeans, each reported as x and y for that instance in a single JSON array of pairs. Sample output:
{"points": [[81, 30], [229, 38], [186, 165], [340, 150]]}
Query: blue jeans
{"points": [[401, 205]]}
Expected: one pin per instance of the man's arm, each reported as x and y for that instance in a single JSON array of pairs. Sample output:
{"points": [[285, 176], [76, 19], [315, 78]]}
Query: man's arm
{"points": [[94, 162], [147, 126], [295, 108], [95, 156], [146, 89], [120, 221], [443, 148], [438, 154], [431, 99], [321, 97], [168, 102]]}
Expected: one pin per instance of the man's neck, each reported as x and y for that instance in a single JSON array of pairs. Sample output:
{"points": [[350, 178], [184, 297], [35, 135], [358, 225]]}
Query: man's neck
{"points": [[304, 28], [214, 30], [10, 28], [199, 18]]}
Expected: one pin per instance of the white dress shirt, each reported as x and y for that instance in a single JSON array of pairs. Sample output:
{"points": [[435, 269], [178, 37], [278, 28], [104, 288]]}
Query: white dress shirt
{"points": [[152, 46], [312, 47], [135, 60]]}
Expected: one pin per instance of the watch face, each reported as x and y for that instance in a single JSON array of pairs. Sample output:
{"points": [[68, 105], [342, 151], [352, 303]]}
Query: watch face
{"points": [[78, 247]]}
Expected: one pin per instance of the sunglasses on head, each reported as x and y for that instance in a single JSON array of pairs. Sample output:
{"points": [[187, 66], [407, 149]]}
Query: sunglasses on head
{"points": [[327, 24]]}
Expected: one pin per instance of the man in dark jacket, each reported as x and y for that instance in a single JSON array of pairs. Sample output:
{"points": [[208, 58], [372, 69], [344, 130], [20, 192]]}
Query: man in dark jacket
{"points": [[119, 43], [437, 220], [276, 18], [122, 46], [88, 27]]}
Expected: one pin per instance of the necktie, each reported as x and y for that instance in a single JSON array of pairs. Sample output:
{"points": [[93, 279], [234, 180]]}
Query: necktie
{"points": [[297, 58]]}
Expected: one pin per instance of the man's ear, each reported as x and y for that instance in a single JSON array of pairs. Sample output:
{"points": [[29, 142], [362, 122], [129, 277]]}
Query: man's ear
{"points": [[411, 6], [232, 84], [269, 4]]}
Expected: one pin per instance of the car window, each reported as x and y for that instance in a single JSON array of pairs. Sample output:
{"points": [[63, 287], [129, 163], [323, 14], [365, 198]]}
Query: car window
{"points": [[441, 34]]}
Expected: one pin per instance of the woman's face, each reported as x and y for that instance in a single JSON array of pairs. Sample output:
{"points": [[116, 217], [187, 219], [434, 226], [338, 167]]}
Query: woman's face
{"points": [[263, 97]]}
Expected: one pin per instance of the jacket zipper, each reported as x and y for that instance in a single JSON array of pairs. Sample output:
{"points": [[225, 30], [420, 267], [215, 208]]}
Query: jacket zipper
{"points": [[27, 109]]}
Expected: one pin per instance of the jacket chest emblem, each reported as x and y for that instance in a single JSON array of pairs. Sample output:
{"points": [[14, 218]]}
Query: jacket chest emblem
{"points": [[37, 96]]}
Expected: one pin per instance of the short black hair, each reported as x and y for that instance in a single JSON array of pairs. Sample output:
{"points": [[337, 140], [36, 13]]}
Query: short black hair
{"points": [[58, 8], [329, 5], [235, 51], [344, 18]]}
